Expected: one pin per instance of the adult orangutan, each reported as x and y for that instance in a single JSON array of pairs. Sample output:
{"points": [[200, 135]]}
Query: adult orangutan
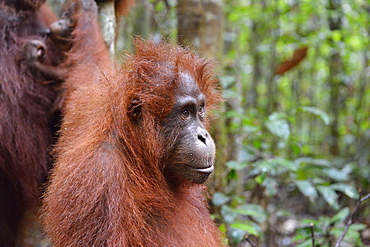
{"points": [[26, 103], [134, 152]]}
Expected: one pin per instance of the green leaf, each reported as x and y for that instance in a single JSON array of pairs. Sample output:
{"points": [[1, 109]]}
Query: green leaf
{"points": [[292, 166], [236, 235], [296, 148], [320, 113], [338, 175], [247, 226], [234, 165], [278, 125], [246, 156], [306, 243], [229, 214], [309, 160], [325, 49], [347, 189], [341, 215], [307, 189], [358, 227], [233, 114], [253, 210], [329, 195], [260, 178], [355, 42], [219, 199], [336, 35], [227, 80], [223, 228], [271, 186]]}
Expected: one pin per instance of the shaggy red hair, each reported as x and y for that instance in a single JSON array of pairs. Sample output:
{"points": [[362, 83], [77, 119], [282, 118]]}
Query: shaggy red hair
{"points": [[108, 187]]}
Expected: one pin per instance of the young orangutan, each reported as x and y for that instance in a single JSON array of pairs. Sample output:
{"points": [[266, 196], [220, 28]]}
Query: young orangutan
{"points": [[134, 151]]}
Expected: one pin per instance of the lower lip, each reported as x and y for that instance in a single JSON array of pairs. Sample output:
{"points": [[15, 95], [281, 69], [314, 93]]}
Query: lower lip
{"points": [[204, 170]]}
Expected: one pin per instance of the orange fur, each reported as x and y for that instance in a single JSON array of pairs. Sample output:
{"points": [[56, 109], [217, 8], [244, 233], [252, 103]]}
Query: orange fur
{"points": [[122, 7], [46, 15], [108, 186]]}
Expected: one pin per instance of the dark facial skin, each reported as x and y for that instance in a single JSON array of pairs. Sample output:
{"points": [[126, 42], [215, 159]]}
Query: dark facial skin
{"points": [[192, 156], [34, 50], [33, 53], [61, 30]]}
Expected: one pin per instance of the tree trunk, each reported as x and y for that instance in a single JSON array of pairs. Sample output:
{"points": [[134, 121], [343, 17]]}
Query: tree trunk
{"points": [[336, 77], [107, 21], [252, 94], [200, 25], [272, 89]]}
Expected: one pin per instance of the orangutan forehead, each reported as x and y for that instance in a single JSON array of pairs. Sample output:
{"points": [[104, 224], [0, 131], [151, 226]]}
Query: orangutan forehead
{"points": [[187, 85], [187, 80]]}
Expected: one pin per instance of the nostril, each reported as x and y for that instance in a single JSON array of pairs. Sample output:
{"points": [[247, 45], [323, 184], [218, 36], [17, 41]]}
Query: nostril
{"points": [[202, 139]]}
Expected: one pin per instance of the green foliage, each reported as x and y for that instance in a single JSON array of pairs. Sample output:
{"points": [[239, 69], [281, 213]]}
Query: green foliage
{"points": [[281, 130], [294, 145], [326, 229], [240, 219], [323, 115], [278, 125]]}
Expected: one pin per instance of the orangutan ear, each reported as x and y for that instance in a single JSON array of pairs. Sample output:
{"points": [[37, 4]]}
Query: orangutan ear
{"points": [[135, 109]]}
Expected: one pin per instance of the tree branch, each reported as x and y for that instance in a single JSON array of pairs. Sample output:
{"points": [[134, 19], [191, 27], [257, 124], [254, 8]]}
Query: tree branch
{"points": [[312, 234], [349, 222]]}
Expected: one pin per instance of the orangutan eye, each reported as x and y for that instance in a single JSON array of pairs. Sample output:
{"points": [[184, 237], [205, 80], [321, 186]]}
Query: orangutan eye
{"points": [[185, 113], [201, 111]]}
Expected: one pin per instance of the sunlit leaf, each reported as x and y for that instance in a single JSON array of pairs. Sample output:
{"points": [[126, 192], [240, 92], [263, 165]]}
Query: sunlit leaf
{"points": [[278, 125], [341, 215], [271, 186], [358, 227], [247, 226], [347, 189], [296, 148], [219, 199], [228, 213], [325, 48], [329, 195], [233, 114], [236, 234], [227, 80], [246, 155], [307, 189], [338, 175], [306, 243], [223, 228], [236, 165], [312, 161], [336, 35], [355, 42], [320, 113], [260, 178], [253, 210], [285, 163]]}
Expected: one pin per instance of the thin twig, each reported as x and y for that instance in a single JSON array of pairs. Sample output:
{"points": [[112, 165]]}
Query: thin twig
{"points": [[349, 222], [312, 234]]}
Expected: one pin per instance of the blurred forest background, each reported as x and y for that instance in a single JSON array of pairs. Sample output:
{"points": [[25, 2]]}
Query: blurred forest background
{"points": [[293, 135]]}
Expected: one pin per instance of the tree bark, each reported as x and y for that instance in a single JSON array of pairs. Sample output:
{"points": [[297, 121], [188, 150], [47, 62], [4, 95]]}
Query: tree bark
{"points": [[107, 20], [336, 78], [200, 25]]}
